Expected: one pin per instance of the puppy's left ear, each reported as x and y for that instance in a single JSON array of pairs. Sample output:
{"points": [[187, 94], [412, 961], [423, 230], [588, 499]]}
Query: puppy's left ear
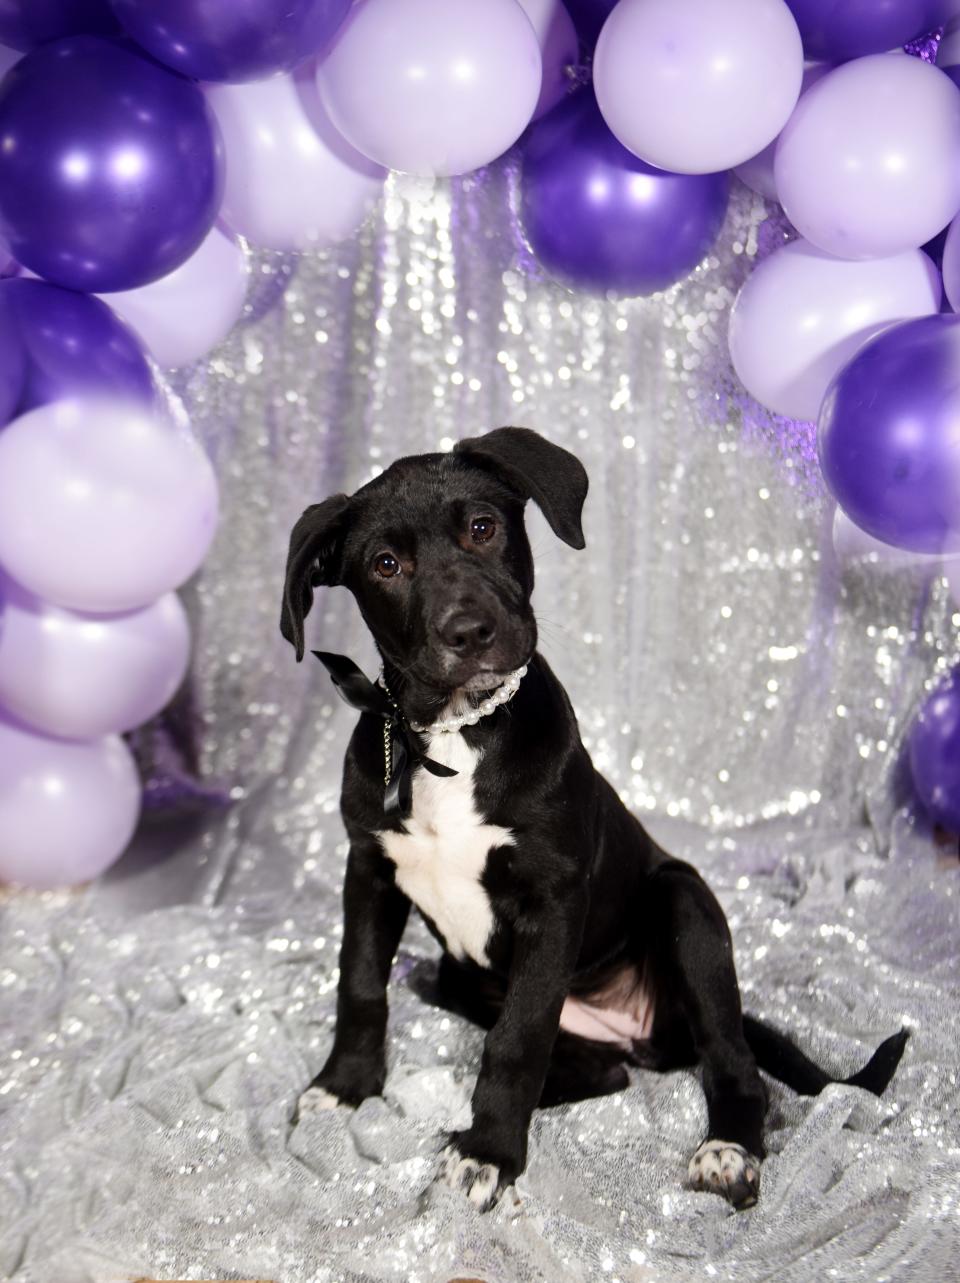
{"points": [[537, 469], [314, 558]]}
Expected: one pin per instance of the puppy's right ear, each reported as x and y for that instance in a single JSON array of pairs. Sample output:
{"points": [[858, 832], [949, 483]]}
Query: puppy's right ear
{"points": [[314, 558]]}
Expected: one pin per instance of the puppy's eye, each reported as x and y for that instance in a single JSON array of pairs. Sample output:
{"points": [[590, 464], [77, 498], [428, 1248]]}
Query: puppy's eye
{"points": [[386, 565], [482, 529]]}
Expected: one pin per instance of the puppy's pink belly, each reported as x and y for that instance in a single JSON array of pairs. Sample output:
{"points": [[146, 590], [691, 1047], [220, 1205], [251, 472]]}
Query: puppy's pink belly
{"points": [[609, 1024]]}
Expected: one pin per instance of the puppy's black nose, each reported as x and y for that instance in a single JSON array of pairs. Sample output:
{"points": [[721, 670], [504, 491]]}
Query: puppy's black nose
{"points": [[468, 632]]}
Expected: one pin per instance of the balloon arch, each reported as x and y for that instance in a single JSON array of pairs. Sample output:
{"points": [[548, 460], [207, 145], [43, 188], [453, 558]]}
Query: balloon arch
{"points": [[143, 142]]}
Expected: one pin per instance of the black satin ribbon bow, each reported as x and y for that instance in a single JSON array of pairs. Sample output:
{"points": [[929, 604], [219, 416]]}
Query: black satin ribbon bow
{"points": [[401, 754]]}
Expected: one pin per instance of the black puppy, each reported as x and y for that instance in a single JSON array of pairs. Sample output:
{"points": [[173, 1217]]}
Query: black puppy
{"points": [[467, 792]]}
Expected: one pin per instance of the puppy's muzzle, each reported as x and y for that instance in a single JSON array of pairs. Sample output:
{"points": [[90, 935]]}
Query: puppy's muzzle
{"points": [[468, 633]]}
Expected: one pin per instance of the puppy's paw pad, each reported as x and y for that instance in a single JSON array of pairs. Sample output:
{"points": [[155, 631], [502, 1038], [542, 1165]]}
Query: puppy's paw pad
{"points": [[724, 1167], [316, 1100], [479, 1181]]}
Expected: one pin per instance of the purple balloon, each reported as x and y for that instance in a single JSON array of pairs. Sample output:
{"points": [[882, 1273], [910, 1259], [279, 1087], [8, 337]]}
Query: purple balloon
{"points": [[25, 23], [934, 748], [890, 435], [836, 31], [597, 216], [589, 16], [231, 39], [110, 171], [13, 366], [64, 344]]}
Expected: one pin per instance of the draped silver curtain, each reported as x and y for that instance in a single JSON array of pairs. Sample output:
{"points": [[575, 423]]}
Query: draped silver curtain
{"points": [[744, 691]]}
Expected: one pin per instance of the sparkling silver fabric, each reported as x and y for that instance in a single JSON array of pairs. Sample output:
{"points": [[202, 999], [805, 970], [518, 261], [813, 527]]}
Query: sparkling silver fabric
{"points": [[744, 691]]}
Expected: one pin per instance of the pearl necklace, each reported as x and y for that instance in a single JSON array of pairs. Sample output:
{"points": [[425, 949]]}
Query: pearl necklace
{"points": [[446, 726]]}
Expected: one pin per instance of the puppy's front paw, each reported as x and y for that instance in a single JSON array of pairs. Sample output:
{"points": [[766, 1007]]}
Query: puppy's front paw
{"points": [[479, 1181], [349, 1078], [724, 1167], [315, 1100]]}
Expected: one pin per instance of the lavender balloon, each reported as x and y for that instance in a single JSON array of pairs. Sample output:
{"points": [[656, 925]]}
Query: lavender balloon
{"points": [[598, 217], [867, 164], [103, 508], [79, 676], [110, 170], [559, 49], [890, 436], [182, 316], [951, 265], [434, 87], [696, 86], [757, 172], [840, 31], [934, 748], [231, 39], [802, 314], [67, 809], [25, 23], [293, 182], [65, 344]]}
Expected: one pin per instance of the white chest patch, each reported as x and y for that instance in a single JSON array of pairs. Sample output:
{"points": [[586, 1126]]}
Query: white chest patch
{"points": [[442, 855]]}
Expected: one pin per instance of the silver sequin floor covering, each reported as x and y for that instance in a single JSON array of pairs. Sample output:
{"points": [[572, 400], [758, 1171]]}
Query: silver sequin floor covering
{"points": [[746, 692]]}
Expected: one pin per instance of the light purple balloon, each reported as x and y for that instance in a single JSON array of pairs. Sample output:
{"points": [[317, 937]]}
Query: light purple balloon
{"points": [[695, 86], [293, 182], [951, 265], [67, 808], [434, 87], [79, 676], [867, 164], [757, 172], [181, 317], [559, 49], [103, 508], [802, 314]]}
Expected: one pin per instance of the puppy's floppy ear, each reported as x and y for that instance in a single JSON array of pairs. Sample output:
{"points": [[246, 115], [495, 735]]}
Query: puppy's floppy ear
{"points": [[552, 477], [313, 559]]}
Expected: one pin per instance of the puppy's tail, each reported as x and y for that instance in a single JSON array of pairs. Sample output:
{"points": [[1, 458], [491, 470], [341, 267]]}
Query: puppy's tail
{"points": [[785, 1061]]}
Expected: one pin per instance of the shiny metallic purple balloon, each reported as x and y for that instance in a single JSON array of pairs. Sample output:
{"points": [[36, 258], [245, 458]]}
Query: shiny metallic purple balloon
{"points": [[890, 435], [231, 39], [589, 16], [110, 168], [934, 747], [848, 29], [57, 343], [598, 217], [25, 23]]}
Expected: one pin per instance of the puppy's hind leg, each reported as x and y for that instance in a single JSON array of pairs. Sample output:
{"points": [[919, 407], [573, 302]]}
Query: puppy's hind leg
{"points": [[691, 957], [581, 1069]]}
